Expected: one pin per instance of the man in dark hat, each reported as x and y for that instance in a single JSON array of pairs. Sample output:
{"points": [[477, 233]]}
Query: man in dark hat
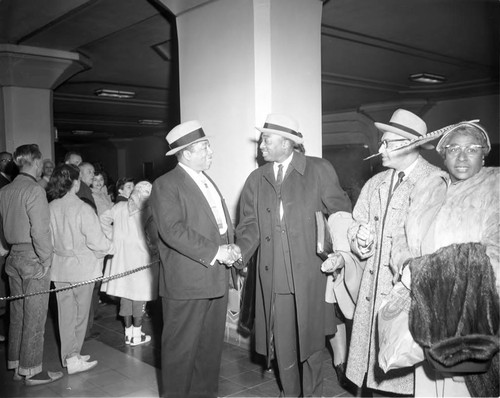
{"points": [[195, 233], [380, 211], [277, 217]]}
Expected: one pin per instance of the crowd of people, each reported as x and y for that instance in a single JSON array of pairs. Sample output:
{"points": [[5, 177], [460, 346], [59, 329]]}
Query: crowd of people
{"points": [[414, 224]]}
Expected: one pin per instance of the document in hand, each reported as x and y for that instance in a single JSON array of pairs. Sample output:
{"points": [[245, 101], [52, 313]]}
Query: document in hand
{"points": [[324, 243]]}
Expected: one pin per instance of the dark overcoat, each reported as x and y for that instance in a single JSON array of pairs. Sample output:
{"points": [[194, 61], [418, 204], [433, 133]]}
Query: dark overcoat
{"points": [[310, 184]]}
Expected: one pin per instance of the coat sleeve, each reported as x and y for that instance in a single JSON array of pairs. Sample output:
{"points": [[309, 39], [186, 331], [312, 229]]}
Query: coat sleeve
{"points": [[39, 216], [94, 237], [247, 232], [333, 196], [361, 215], [106, 219], [176, 228]]}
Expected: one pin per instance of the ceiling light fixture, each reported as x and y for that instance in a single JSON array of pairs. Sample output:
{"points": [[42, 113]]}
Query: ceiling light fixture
{"points": [[428, 78], [104, 92], [82, 132], [150, 122]]}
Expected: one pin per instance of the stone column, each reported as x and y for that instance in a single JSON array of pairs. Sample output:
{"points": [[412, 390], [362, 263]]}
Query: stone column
{"points": [[240, 60], [27, 77]]}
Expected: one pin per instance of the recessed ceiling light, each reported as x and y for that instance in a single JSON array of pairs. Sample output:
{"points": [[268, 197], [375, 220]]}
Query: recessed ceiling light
{"points": [[82, 132], [428, 78], [104, 92], [150, 122]]}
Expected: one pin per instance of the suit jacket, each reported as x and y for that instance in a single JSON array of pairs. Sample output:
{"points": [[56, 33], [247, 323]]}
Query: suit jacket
{"points": [[188, 239]]}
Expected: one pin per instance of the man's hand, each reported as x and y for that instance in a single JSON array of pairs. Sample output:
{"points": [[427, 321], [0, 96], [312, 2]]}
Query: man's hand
{"points": [[365, 237], [228, 254], [334, 262]]}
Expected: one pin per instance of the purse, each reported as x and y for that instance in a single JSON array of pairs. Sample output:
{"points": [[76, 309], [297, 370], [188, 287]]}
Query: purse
{"points": [[397, 348]]}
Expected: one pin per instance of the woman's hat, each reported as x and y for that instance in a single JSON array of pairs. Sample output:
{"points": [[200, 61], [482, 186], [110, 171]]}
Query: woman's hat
{"points": [[184, 134], [407, 125], [444, 139], [282, 125]]}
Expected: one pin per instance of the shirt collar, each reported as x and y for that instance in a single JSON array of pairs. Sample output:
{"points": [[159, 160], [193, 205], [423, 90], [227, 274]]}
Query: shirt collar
{"points": [[285, 164]]}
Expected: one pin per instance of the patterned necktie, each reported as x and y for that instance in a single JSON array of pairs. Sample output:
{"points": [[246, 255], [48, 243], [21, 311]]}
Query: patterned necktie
{"points": [[401, 175]]}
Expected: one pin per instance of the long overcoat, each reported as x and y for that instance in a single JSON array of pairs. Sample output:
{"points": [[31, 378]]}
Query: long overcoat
{"points": [[310, 184], [385, 217]]}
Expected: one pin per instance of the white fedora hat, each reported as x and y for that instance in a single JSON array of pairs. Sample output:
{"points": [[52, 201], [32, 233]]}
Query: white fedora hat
{"points": [[407, 125], [282, 125], [184, 134]]}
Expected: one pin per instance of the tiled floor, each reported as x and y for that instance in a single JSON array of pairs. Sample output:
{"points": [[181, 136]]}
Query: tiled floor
{"points": [[125, 371]]}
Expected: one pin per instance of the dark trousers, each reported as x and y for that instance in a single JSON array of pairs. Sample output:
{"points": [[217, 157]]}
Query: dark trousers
{"points": [[291, 369], [192, 339], [94, 304]]}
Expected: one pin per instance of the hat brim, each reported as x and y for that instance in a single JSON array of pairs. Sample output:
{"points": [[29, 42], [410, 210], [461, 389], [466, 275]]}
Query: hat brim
{"points": [[180, 148], [387, 127], [294, 138]]}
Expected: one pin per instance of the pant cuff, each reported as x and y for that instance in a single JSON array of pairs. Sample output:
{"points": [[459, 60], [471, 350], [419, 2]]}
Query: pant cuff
{"points": [[30, 372], [12, 364]]}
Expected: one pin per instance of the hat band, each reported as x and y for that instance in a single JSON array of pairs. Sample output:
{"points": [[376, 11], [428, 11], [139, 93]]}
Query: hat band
{"points": [[407, 129], [188, 138], [281, 128]]}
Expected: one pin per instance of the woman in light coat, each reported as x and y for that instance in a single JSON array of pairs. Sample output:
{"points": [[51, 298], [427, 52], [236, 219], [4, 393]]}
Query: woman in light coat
{"points": [[458, 206], [130, 225], [79, 246]]}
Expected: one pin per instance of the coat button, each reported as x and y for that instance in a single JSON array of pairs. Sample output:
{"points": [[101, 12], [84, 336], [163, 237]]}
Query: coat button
{"points": [[375, 218], [268, 210], [367, 298], [268, 238], [371, 272], [266, 268]]}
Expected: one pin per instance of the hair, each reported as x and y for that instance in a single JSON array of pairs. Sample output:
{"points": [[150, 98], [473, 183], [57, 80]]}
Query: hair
{"points": [[122, 181], [468, 130], [100, 172], [62, 180], [24, 155], [70, 153]]}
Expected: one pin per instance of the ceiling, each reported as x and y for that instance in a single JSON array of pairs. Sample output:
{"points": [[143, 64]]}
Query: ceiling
{"points": [[369, 49]]}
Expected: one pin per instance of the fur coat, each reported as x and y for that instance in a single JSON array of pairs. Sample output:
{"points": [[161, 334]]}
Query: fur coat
{"points": [[454, 312]]}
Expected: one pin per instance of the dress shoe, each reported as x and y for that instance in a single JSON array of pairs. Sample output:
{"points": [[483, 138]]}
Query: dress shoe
{"points": [[77, 365], [43, 378], [84, 358], [341, 377]]}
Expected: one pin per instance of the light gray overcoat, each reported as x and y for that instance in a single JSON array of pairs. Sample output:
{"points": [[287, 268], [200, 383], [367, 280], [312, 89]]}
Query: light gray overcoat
{"points": [[385, 217]]}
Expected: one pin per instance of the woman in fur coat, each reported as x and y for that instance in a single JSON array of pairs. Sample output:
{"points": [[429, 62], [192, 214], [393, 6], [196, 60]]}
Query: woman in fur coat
{"points": [[454, 207]]}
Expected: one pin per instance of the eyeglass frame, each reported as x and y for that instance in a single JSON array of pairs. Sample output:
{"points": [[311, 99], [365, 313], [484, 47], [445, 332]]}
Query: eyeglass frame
{"points": [[385, 142], [463, 149]]}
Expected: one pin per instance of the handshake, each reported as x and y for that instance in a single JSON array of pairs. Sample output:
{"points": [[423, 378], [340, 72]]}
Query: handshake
{"points": [[229, 254]]}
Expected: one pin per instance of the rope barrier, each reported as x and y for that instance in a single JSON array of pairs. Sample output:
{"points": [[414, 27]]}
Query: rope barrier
{"points": [[101, 278]]}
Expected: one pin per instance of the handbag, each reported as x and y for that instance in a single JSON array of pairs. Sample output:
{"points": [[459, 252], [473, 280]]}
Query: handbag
{"points": [[397, 348]]}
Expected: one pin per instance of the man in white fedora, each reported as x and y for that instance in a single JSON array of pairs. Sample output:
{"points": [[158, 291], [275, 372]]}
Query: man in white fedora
{"points": [[277, 217], [380, 211], [195, 231]]}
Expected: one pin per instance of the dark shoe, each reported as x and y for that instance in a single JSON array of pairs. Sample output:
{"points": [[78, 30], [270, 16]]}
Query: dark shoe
{"points": [[93, 335], [341, 377], [43, 378]]}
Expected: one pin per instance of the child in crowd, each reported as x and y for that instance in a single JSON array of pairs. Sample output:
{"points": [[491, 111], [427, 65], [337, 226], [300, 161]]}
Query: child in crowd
{"points": [[130, 225], [100, 193], [124, 187]]}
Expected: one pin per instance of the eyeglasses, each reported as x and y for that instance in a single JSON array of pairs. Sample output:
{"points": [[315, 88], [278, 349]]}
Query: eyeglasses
{"points": [[469, 150], [386, 143]]}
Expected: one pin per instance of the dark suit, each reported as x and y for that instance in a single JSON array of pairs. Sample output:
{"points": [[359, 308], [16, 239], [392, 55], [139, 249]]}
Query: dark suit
{"points": [[194, 293]]}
